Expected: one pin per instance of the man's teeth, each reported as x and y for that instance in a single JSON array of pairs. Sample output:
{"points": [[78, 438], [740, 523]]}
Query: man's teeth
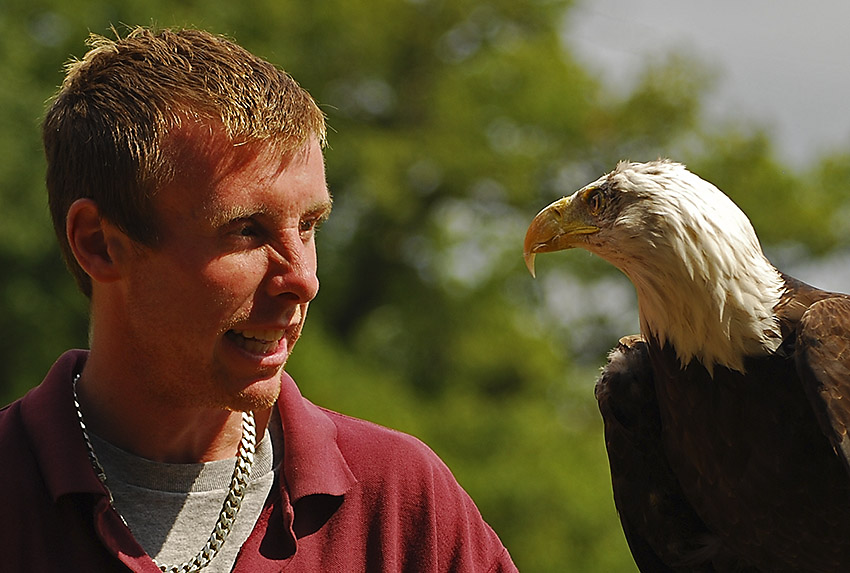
{"points": [[263, 335], [258, 341]]}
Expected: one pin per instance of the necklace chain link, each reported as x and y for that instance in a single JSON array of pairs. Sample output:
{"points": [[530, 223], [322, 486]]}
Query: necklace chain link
{"points": [[230, 507]]}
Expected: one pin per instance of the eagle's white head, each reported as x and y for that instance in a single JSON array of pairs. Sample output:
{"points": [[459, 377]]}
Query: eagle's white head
{"points": [[702, 280]]}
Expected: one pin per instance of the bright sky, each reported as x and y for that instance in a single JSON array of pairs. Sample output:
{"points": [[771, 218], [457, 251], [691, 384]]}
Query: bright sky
{"points": [[783, 64]]}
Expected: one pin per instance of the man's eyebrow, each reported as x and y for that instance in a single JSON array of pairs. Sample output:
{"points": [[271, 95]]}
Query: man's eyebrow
{"points": [[224, 216], [322, 208], [219, 217]]}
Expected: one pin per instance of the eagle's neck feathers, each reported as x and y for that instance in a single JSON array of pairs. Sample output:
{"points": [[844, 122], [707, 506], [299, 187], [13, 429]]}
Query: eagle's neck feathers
{"points": [[703, 284]]}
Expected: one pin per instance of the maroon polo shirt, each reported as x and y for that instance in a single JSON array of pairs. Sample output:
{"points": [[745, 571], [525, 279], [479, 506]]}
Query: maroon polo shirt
{"points": [[353, 496]]}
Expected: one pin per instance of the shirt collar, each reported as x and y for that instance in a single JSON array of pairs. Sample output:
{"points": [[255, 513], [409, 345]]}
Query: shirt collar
{"points": [[312, 460], [50, 419]]}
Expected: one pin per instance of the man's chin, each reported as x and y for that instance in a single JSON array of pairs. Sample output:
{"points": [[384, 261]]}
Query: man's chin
{"points": [[260, 395]]}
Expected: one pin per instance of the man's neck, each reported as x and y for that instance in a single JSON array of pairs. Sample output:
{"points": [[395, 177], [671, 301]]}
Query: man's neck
{"points": [[128, 417]]}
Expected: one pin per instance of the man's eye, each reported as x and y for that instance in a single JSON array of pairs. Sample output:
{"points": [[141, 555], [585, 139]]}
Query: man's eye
{"points": [[247, 231], [310, 225], [307, 225]]}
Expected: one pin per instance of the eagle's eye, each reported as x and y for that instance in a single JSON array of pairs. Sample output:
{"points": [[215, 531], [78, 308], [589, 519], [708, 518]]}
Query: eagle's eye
{"points": [[595, 201]]}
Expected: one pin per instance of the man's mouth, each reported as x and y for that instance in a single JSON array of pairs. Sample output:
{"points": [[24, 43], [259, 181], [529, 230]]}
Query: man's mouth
{"points": [[257, 341]]}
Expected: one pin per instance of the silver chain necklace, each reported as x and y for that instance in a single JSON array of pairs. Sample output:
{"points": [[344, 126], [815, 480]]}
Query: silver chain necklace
{"points": [[230, 507]]}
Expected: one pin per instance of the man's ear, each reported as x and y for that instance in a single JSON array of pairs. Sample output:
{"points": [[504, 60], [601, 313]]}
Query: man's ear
{"points": [[97, 245]]}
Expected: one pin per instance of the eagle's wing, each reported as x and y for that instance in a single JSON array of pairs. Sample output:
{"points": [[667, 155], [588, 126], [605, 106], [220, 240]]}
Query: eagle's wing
{"points": [[662, 529], [823, 363]]}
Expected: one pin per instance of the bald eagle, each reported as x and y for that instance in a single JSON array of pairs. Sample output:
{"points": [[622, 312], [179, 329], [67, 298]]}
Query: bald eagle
{"points": [[726, 419]]}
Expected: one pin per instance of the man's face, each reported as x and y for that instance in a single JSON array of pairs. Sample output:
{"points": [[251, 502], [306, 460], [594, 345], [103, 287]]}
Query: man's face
{"points": [[214, 309]]}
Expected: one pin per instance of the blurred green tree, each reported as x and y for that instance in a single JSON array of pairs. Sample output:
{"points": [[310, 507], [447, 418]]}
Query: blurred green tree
{"points": [[452, 124]]}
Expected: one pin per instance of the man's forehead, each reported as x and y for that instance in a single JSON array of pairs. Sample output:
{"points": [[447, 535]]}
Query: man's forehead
{"points": [[267, 184], [228, 179], [201, 148]]}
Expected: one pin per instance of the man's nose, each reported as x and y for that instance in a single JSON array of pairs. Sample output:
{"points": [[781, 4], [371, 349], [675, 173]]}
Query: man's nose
{"points": [[292, 270]]}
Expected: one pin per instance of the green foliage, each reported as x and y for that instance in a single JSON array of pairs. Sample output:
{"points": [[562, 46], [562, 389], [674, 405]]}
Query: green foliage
{"points": [[452, 124], [827, 200]]}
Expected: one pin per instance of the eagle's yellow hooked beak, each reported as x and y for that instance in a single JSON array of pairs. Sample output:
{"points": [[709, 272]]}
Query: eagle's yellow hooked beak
{"points": [[556, 227]]}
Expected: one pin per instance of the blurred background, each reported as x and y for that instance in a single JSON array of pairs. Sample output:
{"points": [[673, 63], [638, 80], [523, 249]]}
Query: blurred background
{"points": [[452, 123]]}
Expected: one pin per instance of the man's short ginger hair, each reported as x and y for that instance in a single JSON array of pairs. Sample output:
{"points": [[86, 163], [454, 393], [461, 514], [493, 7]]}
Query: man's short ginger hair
{"points": [[106, 133]]}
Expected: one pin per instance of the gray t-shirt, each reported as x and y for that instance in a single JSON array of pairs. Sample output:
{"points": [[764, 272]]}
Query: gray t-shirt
{"points": [[172, 508]]}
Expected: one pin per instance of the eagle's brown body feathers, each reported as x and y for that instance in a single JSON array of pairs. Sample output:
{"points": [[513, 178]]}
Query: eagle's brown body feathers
{"points": [[738, 472]]}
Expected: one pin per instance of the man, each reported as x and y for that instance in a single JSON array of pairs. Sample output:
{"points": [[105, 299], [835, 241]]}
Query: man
{"points": [[186, 182]]}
